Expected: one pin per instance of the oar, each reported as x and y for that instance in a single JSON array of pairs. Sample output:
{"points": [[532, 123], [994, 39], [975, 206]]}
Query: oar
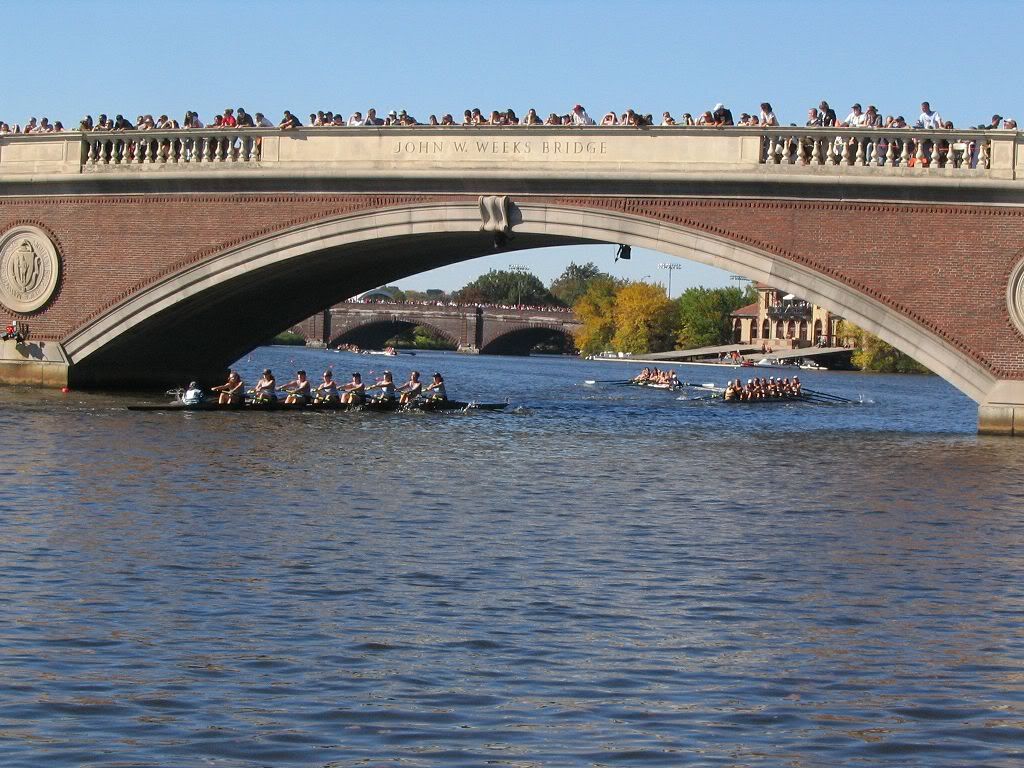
{"points": [[827, 396], [607, 381]]}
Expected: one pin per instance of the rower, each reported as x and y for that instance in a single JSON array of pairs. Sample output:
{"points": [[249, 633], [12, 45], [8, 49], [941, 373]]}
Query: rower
{"points": [[327, 391], [797, 390], [232, 392], [411, 389], [265, 390], [355, 391], [386, 385], [297, 390], [193, 395], [436, 388]]}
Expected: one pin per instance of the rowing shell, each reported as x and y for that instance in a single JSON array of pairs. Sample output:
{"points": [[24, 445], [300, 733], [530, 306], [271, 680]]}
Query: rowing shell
{"points": [[384, 406]]}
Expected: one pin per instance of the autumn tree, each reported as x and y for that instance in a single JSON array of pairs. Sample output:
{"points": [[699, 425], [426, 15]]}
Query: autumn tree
{"points": [[570, 286], [501, 286], [703, 314], [643, 319], [595, 310], [874, 355]]}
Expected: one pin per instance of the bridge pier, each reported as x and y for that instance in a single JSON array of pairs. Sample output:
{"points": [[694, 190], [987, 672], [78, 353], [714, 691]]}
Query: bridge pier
{"points": [[33, 363], [1002, 412]]}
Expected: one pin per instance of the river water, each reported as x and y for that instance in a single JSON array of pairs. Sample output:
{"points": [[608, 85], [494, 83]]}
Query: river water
{"points": [[600, 577]]}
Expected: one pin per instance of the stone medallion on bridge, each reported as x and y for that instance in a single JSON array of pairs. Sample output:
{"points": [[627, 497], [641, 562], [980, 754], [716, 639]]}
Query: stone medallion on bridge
{"points": [[29, 269], [1015, 296]]}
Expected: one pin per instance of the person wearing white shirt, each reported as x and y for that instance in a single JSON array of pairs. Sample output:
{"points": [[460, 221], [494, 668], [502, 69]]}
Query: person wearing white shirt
{"points": [[768, 116], [261, 121], [193, 395], [928, 118], [580, 116], [356, 119], [856, 118]]}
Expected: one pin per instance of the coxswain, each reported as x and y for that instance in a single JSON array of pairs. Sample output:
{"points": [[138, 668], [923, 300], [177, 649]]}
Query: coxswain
{"points": [[411, 389], [232, 392], [355, 391], [386, 385], [297, 390], [673, 380], [436, 388], [327, 390], [265, 390], [193, 395]]}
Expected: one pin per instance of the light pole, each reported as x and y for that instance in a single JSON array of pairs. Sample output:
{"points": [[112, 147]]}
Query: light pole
{"points": [[520, 270], [671, 267]]}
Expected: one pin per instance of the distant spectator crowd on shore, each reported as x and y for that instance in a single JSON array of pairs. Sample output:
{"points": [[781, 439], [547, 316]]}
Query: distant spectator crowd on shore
{"points": [[718, 116]]}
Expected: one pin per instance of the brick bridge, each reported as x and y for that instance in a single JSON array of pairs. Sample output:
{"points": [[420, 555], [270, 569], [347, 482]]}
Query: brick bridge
{"points": [[487, 330], [143, 260]]}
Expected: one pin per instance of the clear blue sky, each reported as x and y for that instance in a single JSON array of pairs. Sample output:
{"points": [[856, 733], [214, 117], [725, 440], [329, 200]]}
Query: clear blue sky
{"points": [[67, 59]]}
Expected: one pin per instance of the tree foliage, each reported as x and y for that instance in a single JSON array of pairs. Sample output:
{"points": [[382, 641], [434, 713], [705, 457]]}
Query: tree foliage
{"points": [[595, 310], [643, 319], [570, 286], [875, 355], [505, 287], [703, 314]]}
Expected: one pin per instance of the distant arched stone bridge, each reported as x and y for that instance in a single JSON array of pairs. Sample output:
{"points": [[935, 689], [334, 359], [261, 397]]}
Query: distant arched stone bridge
{"points": [[484, 329]]}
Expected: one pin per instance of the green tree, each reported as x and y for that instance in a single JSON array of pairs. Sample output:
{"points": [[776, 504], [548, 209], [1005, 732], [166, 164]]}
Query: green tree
{"points": [[595, 310], [570, 286], [505, 287], [643, 319], [703, 314], [874, 355]]}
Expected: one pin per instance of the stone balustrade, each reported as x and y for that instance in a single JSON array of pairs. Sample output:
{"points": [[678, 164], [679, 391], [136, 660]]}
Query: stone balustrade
{"points": [[963, 152], [521, 152]]}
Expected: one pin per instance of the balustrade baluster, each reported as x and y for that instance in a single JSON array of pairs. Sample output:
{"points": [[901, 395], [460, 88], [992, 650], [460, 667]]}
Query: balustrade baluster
{"points": [[815, 150], [830, 154], [919, 155], [905, 154], [801, 151], [90, 154], [845, 156], [984, 154], [890, 153], [858, 158]]}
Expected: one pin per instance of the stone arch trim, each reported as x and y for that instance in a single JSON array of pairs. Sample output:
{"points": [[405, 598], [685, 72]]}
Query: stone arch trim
{"points": [[638, 223]]}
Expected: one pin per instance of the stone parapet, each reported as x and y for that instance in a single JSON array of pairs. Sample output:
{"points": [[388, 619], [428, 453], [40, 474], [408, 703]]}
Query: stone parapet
{"points": [[602, 151]]}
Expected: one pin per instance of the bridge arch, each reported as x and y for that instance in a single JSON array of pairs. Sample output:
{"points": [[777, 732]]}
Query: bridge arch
{"points": [[520, 338], [354, 252], [375, 331]]}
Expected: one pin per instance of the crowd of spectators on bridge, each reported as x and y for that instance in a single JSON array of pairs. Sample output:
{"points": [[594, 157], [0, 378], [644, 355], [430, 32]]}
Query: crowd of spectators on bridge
{"points": [[718, 116]]}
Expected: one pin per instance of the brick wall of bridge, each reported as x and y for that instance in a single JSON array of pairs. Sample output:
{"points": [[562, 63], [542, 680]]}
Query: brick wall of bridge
{"points": [[945, 266]]}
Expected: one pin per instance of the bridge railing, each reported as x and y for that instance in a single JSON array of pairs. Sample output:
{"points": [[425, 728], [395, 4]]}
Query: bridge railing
{"points": [[962, 151], [543, 151]]}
